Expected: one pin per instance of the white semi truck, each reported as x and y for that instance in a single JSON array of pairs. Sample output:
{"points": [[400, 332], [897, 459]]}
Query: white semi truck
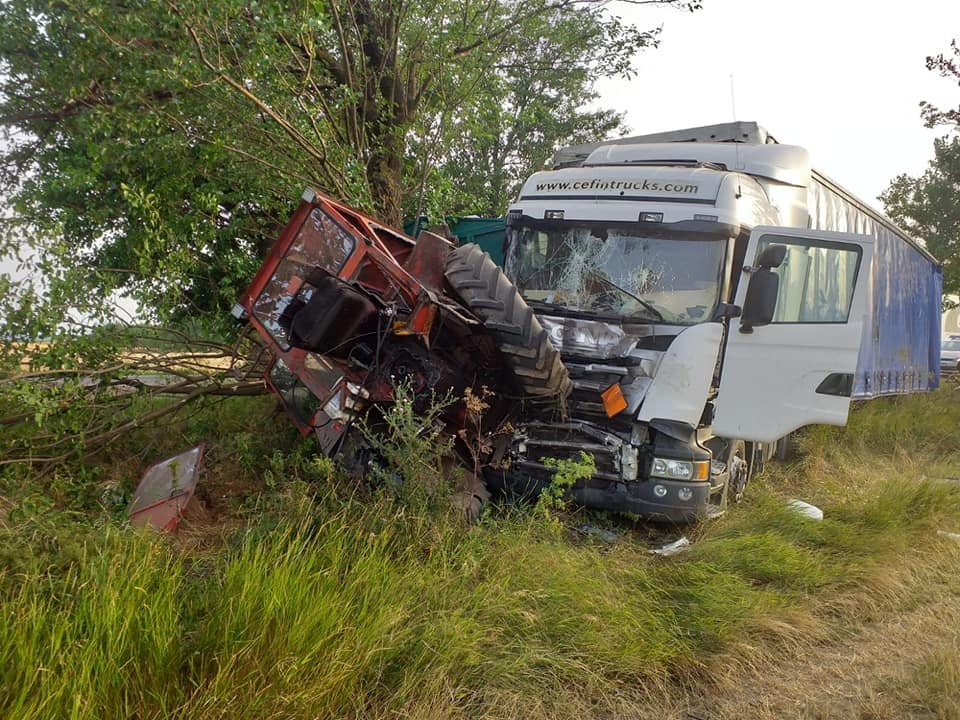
{"points": [[709, 293]]}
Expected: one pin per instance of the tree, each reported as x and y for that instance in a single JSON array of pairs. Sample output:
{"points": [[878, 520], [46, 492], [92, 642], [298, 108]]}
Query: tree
{"points": [[927, 206], [156, 147], [374, 76], [123, 165], [533, 103], [947, 67]]}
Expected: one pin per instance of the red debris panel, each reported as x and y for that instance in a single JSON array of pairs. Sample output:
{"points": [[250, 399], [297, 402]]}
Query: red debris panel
{"points": [[165, 490]]}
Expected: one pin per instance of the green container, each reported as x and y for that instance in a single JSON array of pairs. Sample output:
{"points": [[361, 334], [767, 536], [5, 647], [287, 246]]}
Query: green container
{"points": [[486, 232]]}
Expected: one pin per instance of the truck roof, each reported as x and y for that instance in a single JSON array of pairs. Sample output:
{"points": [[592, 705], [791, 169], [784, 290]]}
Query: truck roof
{"points": [[787, 164], [741, 146], [733, 132]]}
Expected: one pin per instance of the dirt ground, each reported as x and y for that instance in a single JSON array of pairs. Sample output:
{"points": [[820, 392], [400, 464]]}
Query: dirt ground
{"points": [[882, 655]]}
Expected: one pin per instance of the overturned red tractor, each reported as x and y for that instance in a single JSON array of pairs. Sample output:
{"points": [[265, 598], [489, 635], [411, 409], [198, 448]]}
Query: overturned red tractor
{"points": [[351, 309]]}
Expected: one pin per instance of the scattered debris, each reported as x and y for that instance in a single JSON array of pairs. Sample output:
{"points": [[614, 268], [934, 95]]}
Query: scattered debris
{"points": [[606, 535], [805, 509], [713, 512], [951, 535], [674, 548], [113, 495], [471, 494], [165, 490]]}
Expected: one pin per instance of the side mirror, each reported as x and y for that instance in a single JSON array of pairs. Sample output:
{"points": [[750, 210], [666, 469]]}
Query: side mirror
{"points": [[761, 299], [772, 256]]}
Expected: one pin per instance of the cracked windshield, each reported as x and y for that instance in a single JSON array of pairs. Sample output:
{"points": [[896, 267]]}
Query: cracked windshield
{"points": [[616, 271]]}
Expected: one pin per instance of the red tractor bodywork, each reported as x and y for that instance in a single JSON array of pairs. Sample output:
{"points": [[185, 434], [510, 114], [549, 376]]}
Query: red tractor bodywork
{"points": [[350, 307]]}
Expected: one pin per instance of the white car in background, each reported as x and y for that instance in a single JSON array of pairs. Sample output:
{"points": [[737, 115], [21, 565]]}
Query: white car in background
{"points": [[950, 354]]}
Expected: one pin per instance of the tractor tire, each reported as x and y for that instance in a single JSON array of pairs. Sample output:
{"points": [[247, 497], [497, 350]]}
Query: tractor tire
{"points": [[483, 288]]}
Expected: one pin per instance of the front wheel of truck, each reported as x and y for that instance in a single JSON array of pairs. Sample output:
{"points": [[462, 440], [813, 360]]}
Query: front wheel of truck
{"points": [[738, 468], [736, 474], [484, 289]]}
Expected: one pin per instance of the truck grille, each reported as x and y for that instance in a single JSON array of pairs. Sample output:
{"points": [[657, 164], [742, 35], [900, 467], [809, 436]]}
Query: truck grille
{"points": [[614, 457]]}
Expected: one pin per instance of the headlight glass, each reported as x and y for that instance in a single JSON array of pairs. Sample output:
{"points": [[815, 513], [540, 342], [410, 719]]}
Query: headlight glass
{"points": [[680, 469], [672, 469]]}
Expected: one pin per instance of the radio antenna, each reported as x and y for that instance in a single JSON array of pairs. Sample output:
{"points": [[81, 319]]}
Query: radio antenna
{"points": [[733, 100], [736, 143]]}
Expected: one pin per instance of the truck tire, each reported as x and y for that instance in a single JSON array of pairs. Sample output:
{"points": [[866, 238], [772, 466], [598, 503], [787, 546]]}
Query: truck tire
{"points": [[786, 449], [483, 288], [738, 472]]}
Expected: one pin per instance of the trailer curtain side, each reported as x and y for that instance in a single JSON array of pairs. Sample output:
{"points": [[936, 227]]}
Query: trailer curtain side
{"points": [[900, 350]]}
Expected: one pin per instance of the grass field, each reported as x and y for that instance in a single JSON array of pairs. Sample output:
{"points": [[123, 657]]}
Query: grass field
{"points": [[294, 594]]}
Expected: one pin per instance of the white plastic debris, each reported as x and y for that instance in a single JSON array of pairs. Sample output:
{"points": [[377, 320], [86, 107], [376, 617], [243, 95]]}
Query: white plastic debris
{"points": [[806, 509], [951, 535], [674, 548]]}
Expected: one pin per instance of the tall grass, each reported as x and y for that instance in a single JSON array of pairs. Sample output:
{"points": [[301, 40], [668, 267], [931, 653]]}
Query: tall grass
{"points": [[335, 607], [102, 640], [922, 426], [934, 687]]}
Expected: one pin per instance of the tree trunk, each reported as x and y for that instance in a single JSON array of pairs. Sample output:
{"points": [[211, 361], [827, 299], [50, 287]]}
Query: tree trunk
{"points": [[385, 173]]}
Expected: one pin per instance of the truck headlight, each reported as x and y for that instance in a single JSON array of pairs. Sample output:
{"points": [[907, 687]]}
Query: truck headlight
{"points": [[680, 469]]}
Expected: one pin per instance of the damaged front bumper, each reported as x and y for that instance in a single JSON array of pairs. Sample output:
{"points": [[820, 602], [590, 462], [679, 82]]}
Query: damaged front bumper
{"points": [[641, 498], [621, 482]]}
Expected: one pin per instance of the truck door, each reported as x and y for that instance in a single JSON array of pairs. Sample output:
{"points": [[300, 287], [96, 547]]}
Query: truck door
{"points": [[791, 357]]}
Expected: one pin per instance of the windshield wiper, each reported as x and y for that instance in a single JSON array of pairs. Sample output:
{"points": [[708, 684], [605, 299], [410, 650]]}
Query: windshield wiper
{"points": [[658, 316]]}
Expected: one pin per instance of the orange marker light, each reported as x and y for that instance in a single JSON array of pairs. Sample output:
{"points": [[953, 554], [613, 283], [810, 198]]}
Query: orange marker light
{"points": [[613, 400], [701, 470]]}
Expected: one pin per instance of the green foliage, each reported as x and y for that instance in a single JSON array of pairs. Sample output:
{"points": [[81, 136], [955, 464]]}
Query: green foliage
{"points": [[99, 483], [533, 102], [156, 148], [125, 166], [64, 399], [927, 207], [947, 67], [411, 447], [554, 497], [923, 424]]}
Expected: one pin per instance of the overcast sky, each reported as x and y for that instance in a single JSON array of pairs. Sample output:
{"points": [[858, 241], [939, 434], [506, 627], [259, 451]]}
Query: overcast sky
{"points": [[842, 78]]}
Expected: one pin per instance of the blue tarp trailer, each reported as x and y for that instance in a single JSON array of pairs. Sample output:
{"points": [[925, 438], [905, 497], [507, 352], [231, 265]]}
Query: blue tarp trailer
{"points": [[900, 349]]}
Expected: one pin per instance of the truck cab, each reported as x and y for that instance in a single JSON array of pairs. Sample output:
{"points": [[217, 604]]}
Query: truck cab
{"points": [[638, 258]]}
